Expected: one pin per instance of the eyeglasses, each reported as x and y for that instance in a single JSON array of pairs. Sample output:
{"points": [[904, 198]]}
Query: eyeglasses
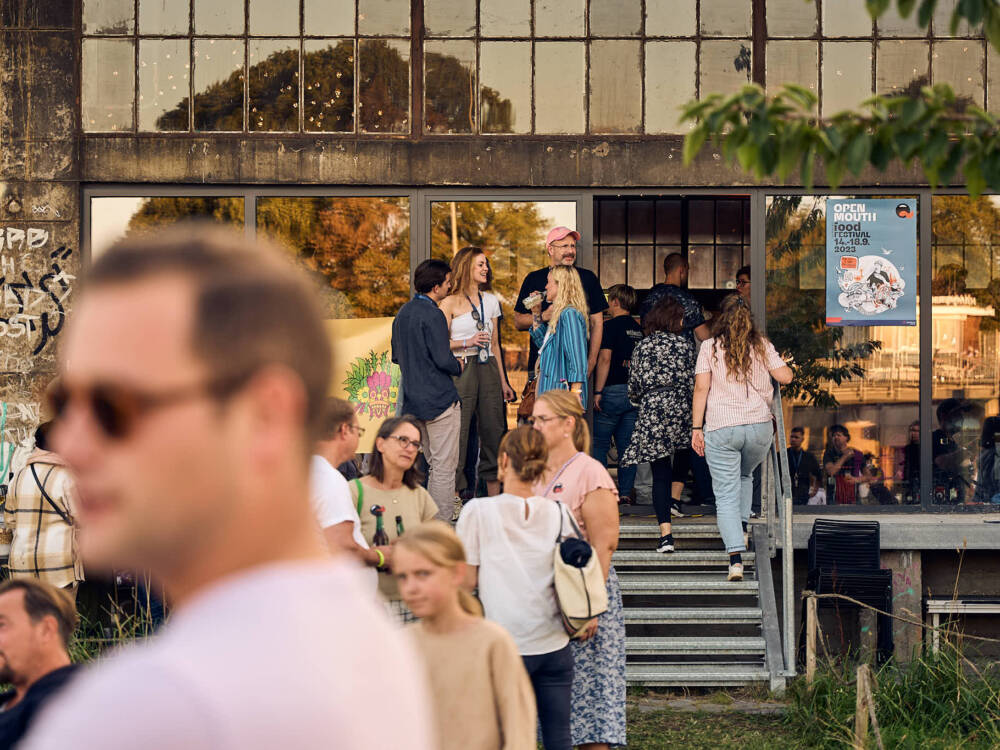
{"points": [[742, 282], [118, 409], [563, 247], [357, 428], [542, 420], [405, 442]]}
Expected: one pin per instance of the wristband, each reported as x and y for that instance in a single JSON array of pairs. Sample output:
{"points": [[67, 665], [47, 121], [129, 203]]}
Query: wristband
{"points": [[697, 428], [598, 393], [381, 559]]}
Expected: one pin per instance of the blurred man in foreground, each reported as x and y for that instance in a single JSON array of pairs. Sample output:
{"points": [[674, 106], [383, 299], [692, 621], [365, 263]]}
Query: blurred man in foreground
{"points": [[36, 623], [194, 372]]}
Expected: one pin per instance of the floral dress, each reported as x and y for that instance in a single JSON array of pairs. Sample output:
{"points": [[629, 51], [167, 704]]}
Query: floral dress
{"points": [[661, 383]]}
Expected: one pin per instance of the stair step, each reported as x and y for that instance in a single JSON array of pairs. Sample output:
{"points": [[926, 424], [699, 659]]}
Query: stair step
{"points": [[672, 583], [693, 615], [707, 675], [680, 531], [679, 558], [652, 646]]}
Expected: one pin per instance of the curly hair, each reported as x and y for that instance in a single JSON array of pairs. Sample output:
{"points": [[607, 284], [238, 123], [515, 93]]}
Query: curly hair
{"points": [[461, 270], [570, 294], [736, 333]]}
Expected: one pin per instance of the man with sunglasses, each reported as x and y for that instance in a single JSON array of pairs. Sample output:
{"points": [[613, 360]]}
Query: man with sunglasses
{"points": [[331, 497], [194, 371]]}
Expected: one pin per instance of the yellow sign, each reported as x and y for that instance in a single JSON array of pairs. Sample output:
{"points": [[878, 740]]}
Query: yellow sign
{"points": [[363, 371]]}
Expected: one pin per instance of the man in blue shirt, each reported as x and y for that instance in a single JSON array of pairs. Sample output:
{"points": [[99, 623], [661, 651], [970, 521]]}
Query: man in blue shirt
{"points": [[421, 348]]}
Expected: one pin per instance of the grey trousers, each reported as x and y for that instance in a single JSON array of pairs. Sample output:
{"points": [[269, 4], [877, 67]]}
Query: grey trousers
{"points": [[440, 439]]}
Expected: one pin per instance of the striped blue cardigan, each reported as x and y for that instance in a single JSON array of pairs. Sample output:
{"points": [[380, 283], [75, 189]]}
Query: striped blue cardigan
{"points": [[563, 358]]}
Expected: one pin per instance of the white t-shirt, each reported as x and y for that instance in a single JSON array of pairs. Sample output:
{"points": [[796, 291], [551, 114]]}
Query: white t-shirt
{"points": [[294, 655], [464, 326], [514, 555], [331, 502]]}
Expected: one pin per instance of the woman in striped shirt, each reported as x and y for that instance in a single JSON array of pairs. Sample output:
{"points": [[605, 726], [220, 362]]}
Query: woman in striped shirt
{"points": [[731, 416], [562, 342]]}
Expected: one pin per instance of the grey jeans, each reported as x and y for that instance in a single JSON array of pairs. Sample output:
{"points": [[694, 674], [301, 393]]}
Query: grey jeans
{"points": [[440, 439], [733, 453]]}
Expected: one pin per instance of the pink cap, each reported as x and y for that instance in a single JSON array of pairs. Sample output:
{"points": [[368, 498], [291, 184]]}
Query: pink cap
{"points": [[560, 233]]}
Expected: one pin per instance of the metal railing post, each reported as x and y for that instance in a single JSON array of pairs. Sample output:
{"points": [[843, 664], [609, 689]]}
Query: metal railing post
{"points": [[783, 501]]}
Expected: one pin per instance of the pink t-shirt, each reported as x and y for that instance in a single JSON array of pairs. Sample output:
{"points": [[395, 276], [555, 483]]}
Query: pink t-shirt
{"points": [[578, 479], [290, 655], [730, 402]]}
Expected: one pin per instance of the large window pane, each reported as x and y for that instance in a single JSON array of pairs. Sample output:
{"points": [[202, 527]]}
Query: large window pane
{"points": [[504, 17], [274, 18], [112, 219], [218, 84], [846, 20], [505, 87], [942, 21], [966, 365], [163, 17], [219, 17], [329, 85], [108, 81], [384, 86], [671, 18], [513, 236], [615, 87], [793, 62], [329, 17], [891, 24], [342, 241], [108, 16], [559, 18], [725, 66], [960, 64], [388, 17], [163, 84], [615, 17], [901, 66], [670, 80], [449, 86], [725, 18], [274, 84], [450, 17], [847, 75], [792, 17], [559, 87], [876, 405]]}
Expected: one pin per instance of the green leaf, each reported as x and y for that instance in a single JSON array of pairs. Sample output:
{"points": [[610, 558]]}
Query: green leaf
{"points": [[947, 170], [913, 110], [806, 168], [877, 7], [975, 183], [907, 144], [934, 151], [925, 13], [835, 169], [881, 152], [693, 142], [834, 138], [991, 27], [800, 95], [747, 155], [905, 7], [857, 152]]}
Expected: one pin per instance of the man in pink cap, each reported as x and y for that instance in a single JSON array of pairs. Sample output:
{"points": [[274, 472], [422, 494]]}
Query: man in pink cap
{"points": [[561, 246]]}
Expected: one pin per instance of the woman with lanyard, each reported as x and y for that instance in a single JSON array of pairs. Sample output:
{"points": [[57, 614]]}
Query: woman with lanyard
{"points": [[473, 314], [580, 481]]}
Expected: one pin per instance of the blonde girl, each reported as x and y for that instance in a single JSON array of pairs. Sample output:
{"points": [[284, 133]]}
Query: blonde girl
{"points": [[731, 416], [562, 342], [481, 694], [473, 313]]}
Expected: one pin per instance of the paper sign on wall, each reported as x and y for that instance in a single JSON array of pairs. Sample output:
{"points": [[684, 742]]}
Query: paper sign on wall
{"points": [[871, 262]]}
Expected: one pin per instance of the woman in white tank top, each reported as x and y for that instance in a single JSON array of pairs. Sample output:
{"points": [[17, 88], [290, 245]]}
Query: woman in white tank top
{"points": [[473, 314]]}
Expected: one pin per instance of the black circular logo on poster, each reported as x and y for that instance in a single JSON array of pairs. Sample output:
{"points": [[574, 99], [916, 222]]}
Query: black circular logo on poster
{"points": [[903, 211]]}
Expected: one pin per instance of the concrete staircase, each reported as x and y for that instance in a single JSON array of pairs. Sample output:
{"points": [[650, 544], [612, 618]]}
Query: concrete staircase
{"points": [[685, 624]]}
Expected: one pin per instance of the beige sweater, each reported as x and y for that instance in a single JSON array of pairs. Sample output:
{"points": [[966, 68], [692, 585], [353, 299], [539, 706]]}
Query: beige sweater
{"points": [[481, 694]]}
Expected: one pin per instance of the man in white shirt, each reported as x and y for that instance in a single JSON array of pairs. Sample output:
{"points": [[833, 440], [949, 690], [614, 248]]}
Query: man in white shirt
{"points": [[331, 497], [194, 370]]}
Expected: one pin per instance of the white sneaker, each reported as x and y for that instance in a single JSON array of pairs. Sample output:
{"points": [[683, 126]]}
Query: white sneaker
{"points": [[735, 572], [675, 510]]}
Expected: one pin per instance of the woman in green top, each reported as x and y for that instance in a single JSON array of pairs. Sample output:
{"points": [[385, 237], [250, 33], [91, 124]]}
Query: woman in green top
{"points": [[393, 482]]}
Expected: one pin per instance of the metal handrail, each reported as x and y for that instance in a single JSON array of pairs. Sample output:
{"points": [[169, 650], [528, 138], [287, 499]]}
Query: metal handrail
{"points": [[776, 507]]}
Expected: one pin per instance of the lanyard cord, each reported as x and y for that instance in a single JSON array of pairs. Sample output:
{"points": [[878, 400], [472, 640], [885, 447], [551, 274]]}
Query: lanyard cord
{"points": [[559, 473]]}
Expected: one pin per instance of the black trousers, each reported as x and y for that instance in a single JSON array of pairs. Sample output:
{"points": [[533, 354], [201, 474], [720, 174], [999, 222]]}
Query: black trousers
{"points": [[552, 678]]}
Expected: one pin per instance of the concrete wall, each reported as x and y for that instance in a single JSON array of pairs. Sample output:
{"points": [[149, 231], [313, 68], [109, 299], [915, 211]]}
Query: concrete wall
{"points": [[39, 198]]}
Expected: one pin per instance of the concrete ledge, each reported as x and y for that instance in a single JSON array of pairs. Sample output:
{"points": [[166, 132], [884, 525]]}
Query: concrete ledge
{"points": [[917, 531]]}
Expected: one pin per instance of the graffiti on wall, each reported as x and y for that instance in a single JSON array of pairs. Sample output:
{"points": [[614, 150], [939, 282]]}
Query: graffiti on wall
{"points": [[34, 288]]}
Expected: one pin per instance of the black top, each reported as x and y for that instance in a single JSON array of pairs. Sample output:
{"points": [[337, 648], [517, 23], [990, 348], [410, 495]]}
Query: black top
{"points": [[694, 316], [535, 282], [16, 721], [621, 334], [801, 466], [421, 348]]}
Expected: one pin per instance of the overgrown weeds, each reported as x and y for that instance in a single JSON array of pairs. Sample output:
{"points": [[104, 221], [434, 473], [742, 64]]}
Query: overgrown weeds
{"points": [[936, 701], [121, 620]]}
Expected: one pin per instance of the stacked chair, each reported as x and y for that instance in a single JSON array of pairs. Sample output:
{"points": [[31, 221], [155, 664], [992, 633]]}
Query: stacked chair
{"points": [[844, 559]]}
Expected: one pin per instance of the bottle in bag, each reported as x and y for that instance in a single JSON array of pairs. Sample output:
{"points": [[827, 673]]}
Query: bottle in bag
{"points": [[381, 539], [399, 526]]}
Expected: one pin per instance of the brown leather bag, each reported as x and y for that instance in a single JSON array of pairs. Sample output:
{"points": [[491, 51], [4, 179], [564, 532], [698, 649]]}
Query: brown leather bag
{"points": [[527, 405]]}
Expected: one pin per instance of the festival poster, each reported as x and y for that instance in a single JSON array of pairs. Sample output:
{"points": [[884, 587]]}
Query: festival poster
{"points": [[871, 262], [363, 371]]}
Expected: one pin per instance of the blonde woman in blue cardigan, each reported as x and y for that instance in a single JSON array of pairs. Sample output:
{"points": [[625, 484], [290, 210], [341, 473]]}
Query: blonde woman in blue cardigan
{"points": [[562, 342]]}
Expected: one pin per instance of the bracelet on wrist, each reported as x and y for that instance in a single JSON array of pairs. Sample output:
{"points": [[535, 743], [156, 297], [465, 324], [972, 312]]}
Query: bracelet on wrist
{"points": [[598, 393], [381, 559], [699, 429]]}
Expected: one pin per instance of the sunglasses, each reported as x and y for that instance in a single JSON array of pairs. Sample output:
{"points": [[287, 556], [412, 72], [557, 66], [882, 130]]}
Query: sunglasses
{"points": [[118, 409]]}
